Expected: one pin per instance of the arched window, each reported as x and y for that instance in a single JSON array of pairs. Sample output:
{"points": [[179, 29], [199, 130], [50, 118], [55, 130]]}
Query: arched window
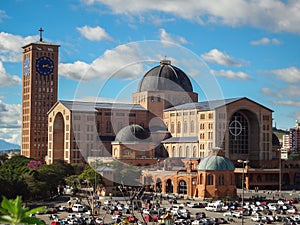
{"points": [[192, 126], [178, 127], [185, 129], [115, 152], [194, 152], [187, 152], [210, 179], [238, 134], [221, 180], [172, 127], [180, 152], [173, 151], [108, 127]]}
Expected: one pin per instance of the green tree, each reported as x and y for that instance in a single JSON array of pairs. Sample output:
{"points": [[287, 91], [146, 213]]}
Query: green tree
{"points": [[15, 214], [91, 176], [12, 182]]}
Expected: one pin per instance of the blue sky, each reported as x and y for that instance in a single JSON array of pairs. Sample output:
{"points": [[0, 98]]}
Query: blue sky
{"points": [[229, 48]]}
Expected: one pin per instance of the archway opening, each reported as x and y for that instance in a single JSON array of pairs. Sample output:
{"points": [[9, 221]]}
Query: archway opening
{"points": [[58, 137]]}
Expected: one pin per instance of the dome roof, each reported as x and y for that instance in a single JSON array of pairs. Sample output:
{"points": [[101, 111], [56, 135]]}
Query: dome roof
{"points": [[275, 140], [165, 77], [215, 162], [132, 133]]}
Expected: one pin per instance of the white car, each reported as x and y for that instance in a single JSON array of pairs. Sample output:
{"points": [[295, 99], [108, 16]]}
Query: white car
{"points": [[115, 217], [237, 214], [78, 208], [256, 218], [99, 220]]}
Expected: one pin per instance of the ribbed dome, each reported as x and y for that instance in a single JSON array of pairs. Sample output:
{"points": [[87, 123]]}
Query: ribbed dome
{"points": [[165, 77], [215, 162], [132, 133]]}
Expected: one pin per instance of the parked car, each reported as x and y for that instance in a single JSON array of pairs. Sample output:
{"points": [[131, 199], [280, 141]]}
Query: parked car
{"points": [[78, 208]]}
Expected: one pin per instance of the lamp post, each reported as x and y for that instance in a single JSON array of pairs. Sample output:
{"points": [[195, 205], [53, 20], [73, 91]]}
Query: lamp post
{"points": [[244, 163]]}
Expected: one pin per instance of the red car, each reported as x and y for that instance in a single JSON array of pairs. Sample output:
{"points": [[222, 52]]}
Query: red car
{"points": [[132, 218], [55, 223], [150, 218]]}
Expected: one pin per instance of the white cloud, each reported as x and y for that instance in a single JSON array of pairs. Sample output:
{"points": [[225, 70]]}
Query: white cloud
{"points": [[10, 122], [229, 74], [11, 46], [268, 14], [218, 57], [94, 33], [3, 15], [6, 79], [271, 92], [266, 41], [166, 37], [290, 74], [122, 62], [287, 103]]}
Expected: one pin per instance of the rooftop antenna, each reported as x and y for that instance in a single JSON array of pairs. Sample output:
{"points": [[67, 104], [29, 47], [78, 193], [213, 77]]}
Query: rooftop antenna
{"points": [[41, 34]]}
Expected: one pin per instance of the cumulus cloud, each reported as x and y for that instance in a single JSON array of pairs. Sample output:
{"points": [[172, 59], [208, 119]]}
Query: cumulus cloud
{"points": [[6, 79], [94, 33], [290, 74], [166, 37], [3, 15], [121, 62], [10, 122], [11, 46], [229, 74], [287, 103], [271, 14], [218, 57], [266, 41], [270, 92]]}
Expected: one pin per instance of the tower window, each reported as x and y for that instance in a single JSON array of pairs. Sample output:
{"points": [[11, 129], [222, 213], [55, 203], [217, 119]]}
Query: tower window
{"points": [[152, 98]]}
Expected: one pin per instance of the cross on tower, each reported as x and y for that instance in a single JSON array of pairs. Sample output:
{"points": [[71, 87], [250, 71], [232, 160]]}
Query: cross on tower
{"points": [[41, 34]]}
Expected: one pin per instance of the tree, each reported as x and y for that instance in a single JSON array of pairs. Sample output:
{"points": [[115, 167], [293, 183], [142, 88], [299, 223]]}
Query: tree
{"points": [[14, 213]]}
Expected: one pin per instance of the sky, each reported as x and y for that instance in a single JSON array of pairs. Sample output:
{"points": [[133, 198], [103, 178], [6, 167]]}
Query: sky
{"points": [[229, 48]]}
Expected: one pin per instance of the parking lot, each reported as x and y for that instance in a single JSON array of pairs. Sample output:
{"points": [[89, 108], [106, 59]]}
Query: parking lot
{"points": [[266, 208]]}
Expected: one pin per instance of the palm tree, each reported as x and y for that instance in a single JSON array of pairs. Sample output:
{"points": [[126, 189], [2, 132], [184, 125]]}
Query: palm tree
{"points": [[15, 214]]}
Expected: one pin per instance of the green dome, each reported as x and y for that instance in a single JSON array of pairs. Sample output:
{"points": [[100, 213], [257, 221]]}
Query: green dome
{"points": [[215, 162]]}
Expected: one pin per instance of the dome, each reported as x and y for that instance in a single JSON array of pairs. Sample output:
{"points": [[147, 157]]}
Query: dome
{"points": [[165, 77], [215, 162], [132, 133], [275, 140]]}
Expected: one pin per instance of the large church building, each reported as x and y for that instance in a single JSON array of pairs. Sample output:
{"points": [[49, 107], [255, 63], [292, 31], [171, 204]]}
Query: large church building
{"points": [[165, 129]]}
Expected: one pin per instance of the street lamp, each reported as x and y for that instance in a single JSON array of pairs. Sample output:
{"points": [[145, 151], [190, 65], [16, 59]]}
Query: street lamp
{"points": [[245, 163]]}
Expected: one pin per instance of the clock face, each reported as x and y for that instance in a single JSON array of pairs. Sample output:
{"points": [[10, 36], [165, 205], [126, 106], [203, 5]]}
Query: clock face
{"points": [[26, 66], [44, 66]]}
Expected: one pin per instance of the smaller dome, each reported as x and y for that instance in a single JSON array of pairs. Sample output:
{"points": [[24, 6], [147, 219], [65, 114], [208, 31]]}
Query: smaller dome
{"points": [[215, 162], [132, 133]]}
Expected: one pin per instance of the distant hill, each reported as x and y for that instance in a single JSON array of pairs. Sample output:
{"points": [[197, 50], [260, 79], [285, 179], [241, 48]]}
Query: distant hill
{"points": [[6, 146]]}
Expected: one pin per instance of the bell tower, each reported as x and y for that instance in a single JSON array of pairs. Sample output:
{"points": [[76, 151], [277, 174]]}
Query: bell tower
{"points": [[39, 94]]}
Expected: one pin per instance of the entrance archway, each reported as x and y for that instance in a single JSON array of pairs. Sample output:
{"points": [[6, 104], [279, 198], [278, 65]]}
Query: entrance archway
{"points": [[158, 187], [169, 186], [243, 127], [58, 137]]}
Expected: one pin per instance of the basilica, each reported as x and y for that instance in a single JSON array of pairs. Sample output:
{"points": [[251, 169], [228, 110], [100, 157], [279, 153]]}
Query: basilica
{"points": [[170, 134], [205, 148]]}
